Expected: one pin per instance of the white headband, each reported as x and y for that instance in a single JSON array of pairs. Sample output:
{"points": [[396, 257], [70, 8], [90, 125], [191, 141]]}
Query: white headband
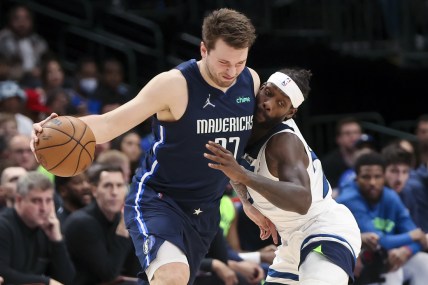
{"points": [[288, 86]]}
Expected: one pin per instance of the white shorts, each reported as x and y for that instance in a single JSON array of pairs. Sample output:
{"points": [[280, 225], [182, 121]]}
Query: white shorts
{"points": [[335, 225], [167, 253]]}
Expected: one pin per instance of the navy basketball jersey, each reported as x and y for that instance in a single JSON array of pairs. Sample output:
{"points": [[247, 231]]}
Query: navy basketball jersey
{"points": [[175, 164]]}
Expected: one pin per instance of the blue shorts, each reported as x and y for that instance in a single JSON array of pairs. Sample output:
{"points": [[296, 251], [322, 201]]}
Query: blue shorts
{"points": [[153, 217]]}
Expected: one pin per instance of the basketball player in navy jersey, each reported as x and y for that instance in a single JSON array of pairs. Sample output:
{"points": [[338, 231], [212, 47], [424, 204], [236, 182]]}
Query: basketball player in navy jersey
{"points": [[286, 183], [172, 210]]}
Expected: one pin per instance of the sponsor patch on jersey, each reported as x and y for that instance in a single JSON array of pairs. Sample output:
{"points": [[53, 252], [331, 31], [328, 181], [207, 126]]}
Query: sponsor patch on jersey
{"points": [[242, 99]]}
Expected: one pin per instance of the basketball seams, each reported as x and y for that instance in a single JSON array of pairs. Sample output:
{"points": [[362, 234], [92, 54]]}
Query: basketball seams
{"points": [[61, 138]]}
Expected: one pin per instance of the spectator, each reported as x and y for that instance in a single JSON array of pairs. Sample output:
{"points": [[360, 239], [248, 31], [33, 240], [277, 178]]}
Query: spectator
{"points": [[9, 179], [112, 91], [227, 268], [4, 68], [19, 153], [96, 235], [116, 157], [422, 139], [75, 193], [130, 144], [31, 244], [364, 144], [12, 100], [385, 223], [8, 125], [21, 44], [415, 190], [348, 132], [36, 108], [86, 77], [54, 82]]}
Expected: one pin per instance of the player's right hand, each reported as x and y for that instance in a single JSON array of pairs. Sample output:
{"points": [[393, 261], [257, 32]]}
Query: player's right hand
{"points": [[38, 128]]}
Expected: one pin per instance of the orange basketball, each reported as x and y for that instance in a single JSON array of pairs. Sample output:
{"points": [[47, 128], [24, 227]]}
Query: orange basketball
{"points": [[66, 146]]}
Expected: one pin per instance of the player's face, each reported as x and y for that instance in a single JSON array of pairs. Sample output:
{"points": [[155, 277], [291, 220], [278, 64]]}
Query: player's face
{"points": [[224, 63], [371, 181], [35, 207], [396, 176], [110, 193], [272, 105]]}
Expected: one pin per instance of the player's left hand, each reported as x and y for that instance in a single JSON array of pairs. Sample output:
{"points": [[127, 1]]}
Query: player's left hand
{"points": [[225, 161]]}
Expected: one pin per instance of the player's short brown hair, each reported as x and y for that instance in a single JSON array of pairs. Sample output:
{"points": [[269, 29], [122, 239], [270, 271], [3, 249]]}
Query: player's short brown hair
{"points": [[233, 27]]}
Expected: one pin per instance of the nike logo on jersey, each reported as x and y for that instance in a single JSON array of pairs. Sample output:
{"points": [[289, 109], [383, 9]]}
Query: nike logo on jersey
{"points": [[208, 102]]}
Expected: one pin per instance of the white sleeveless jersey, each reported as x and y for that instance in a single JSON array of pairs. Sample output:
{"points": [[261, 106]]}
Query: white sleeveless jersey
{"points": [[286, 221]]}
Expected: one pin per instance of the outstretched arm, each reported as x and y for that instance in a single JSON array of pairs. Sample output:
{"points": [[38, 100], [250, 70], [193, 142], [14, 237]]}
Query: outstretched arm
{"points": [[287, 160], [267, 228]]}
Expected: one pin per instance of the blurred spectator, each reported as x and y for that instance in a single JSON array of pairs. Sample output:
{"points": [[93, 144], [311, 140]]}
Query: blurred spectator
{"points": [[415, 192], [112, 91], [12, 100], [422, 139], [19, 153], [226, 268], [385, 223], [96, 235], [348, 132], [8, 184], [54, 83], [397, 167], [4, 68], [36, 108], [31, 244], [21, 44], [130, 144], [58, 102], [117, 158], [366, 143], [8, 125], [75, 193], [86, 77]]}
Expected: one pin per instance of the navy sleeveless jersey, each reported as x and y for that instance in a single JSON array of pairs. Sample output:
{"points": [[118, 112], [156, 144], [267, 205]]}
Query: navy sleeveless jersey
{"points": [[175, 164]]}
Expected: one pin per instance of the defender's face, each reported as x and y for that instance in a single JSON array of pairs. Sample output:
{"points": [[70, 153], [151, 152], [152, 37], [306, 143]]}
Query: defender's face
{"points": [[272, 105], [224, 63], [371, 180]]}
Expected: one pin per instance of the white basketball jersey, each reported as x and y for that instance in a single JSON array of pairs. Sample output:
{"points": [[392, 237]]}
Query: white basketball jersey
{"points": [[287, 221]]}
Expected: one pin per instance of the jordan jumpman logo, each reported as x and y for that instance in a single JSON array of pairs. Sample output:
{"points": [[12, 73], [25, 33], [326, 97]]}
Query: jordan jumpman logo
{"points": [[208, 103]]}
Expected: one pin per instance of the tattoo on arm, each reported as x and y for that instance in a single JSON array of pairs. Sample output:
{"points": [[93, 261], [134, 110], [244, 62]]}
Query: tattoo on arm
{"points": [[241, 190]]}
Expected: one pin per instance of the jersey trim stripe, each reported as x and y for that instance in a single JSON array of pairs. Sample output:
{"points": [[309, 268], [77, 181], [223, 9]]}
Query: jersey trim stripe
{"points": [[284, 275], [141, 186], [328, 237]]}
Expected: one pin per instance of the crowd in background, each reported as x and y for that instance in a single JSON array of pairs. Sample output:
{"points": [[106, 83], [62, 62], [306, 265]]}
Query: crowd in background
{"points": [[72, 231]]}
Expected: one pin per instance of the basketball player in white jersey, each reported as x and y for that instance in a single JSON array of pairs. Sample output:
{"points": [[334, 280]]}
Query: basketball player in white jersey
{"points": [[320, 239]]}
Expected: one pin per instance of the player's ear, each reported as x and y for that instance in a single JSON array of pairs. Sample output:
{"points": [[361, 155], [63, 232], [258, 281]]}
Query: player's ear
{"points": [[204, 50], [292, 112]]}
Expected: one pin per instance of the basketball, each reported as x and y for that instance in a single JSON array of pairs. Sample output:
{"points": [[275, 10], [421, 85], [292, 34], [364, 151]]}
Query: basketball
{"points": [[66, 146]]}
